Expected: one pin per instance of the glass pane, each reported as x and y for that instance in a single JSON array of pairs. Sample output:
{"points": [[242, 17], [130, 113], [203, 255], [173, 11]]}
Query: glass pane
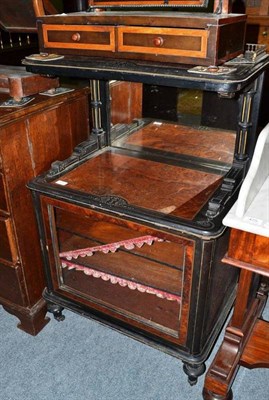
{"points": [[137, 274]]}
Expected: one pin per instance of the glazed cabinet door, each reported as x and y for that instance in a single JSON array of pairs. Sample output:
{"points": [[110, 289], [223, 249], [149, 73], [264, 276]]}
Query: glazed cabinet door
{"points": [[125, 270]]}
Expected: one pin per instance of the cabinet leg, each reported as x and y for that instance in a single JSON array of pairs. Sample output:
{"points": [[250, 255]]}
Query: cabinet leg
{"points": [[56, 310], [194, 371], [32, 321], [207, 395]]}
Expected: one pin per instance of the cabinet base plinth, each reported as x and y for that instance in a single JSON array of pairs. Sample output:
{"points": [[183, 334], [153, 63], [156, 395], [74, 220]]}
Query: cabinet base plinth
{"points": [[32, 320]]}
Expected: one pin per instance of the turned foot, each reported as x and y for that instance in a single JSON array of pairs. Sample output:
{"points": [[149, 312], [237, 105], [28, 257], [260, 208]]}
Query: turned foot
{"points": [[56, 310], [207, 395], [194, 371]]}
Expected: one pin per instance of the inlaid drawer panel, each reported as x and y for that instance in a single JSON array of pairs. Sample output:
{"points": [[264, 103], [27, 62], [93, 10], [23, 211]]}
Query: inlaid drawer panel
{"points": [[8, 250], [161, 41], [3, 201], [79, 37], [166, 41]]}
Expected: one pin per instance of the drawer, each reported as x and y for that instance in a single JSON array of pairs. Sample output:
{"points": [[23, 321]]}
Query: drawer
{"points": [[79, 37], [11, 283], [163, 41], [3, 201], [8, 248]]}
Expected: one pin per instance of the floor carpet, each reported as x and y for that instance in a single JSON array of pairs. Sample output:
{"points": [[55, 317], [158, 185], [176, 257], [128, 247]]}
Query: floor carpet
{"points": [[79, 359]]}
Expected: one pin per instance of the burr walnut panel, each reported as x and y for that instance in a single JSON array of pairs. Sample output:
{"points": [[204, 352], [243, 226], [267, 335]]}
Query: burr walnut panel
{"points": [[138, 181], [200, 142]]}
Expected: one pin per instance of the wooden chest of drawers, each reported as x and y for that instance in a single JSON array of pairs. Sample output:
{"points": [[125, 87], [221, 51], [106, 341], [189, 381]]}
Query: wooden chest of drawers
{"points": [[31, 137], [203, 39]]}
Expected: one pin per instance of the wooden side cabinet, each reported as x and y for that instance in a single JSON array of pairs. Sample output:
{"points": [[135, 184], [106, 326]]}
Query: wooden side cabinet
{"points": [[31, 137], [247, 335], [246, 339]]}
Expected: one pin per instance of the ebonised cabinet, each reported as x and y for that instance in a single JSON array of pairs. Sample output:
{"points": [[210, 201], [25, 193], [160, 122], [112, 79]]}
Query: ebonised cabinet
{"points": [[131, 224]]}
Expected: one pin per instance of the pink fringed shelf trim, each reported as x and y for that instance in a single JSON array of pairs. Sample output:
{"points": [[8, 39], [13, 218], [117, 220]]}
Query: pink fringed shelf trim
{"points": [[120, 281], [111, 247]]}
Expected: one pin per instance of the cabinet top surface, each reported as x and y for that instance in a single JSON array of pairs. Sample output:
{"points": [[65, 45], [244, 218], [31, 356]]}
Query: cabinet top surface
{"points": [[136, 17], [37, 103], [152, 73]]}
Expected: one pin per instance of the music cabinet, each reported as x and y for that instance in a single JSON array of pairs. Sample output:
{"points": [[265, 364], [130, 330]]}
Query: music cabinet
{"points": [[31, 137], [131, 224]]}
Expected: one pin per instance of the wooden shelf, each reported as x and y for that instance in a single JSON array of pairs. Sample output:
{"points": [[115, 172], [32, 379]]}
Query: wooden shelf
{"points": [[256, 352], [258, 20]]}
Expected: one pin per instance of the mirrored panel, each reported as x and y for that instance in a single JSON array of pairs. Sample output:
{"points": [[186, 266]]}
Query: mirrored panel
{"points": [[187, 126]]}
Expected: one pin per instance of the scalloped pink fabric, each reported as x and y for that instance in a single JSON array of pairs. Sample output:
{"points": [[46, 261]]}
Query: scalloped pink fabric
{"points": [[111, 247], [122, 282]]}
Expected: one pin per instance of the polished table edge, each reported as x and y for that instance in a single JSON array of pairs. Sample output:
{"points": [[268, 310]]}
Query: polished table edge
{"points": [[247, 266], [174, 75]]}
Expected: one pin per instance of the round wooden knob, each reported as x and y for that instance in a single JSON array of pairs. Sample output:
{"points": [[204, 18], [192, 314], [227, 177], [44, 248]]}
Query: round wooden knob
{"points": [[158, 41], [76, 37]]}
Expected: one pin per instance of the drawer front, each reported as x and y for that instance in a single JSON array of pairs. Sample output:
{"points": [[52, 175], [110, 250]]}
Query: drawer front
{"points": [[11, 283], [79, 37], [8, 249], [163, 41], [3, 201]]}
